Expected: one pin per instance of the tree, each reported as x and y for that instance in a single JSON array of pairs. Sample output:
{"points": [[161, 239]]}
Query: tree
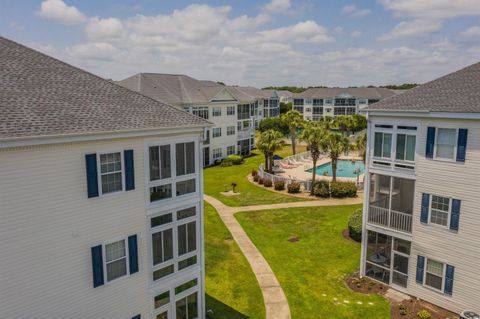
{"points": [[269, 142], [294, 120], [313, 134], [361, 145], [335, 145], [345, 123], [273, 123], [285, 107]]}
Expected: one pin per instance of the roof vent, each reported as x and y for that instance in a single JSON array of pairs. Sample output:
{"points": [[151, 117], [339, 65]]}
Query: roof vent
{"points": [[467, 314]]}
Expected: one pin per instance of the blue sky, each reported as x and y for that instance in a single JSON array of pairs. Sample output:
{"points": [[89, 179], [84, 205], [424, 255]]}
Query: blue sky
{"points": [[260, 43]]}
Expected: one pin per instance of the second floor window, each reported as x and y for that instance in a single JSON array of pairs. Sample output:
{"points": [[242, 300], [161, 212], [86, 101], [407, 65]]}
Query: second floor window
{"points": [[383, 145], [230, 110], [298, 102], [405, 147], [230, 130], [116, 259], [185, 158], [111, 172], [217, 132], [160, 163], [445, 143], [217, 111], [439, 210], [200, 111]]}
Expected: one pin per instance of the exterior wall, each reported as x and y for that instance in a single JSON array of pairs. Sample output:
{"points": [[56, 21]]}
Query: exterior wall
{"points": [[49, 226], [449, 179], [328, 107]]}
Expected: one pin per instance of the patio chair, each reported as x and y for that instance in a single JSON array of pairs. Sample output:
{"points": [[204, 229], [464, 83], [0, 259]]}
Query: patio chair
{"points": [[285, 166]]}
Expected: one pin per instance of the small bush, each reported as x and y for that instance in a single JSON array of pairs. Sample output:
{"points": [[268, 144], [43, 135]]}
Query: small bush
{"points": [[279, 185], [217, 162], [322, 189], [254, 172], [424, 314], [402, 310], [343, 189], [267, 183], [256, 178], [293, 188], [260, 181], [226, 162], [355, 225], [235, 159]]}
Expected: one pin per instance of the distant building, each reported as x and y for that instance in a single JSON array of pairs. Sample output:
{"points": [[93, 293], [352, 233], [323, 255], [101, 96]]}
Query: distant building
{"points": [[422, 185], [101, 197], [285, 96], [317, 103]]}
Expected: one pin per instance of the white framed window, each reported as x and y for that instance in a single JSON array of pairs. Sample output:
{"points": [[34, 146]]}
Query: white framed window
{"points": [[308, 109], [440, 208], [217, 132], [230, 110], [160, 162], [185, 158], [434, 274], [111, 172], [230, 130], [405, 150], [115, 259], [383, 145], [216, 111], [446, 143], [231, 150], [217, 153], [187, 307]]}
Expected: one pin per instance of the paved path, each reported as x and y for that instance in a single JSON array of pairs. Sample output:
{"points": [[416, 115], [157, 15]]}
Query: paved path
{"points": [[276, 303]]}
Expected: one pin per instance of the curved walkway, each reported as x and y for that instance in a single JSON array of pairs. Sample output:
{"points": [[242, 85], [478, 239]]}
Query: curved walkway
{"points": [[276, 304]]}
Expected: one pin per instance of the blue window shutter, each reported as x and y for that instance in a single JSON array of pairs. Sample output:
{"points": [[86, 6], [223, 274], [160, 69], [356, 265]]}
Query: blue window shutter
{"points": [[92, 177], [420, 269], [430, 142], [129, 170], [133, 253], [462, 144], [449, 280], [425, 208], [455, 215], [97, 266], [137, 317]]}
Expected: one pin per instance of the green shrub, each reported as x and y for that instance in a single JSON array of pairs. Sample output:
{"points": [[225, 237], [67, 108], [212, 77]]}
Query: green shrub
{"points": [[267, 183], [235, 159], [355, 225], [226, 162], [256, 178], [217, 162], [402, 310], [279, 185], [343, 189], [322, 189], [424, 314], [254, 172], [260, 181], [293, 188]]}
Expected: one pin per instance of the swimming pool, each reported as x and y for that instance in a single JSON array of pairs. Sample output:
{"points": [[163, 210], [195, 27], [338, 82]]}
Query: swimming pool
{"points": [[345, 168]]}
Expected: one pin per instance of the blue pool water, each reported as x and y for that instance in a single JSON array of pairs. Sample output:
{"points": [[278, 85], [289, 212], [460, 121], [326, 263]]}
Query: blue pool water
{"points": [[345, 168]]}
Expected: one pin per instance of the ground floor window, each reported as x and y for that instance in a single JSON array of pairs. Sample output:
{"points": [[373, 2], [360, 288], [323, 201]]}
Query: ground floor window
{"points": [[231, 150], [116, 259], [187, 307], [180, 302], [244, 147], [434, 274], [217, 153]]}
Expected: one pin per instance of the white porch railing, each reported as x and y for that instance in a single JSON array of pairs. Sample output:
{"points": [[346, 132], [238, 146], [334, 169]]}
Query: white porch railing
{"points": [[392, 219]]}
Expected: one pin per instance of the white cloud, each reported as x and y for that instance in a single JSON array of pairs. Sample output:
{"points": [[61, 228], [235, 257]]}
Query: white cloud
{"points": [[104, 28], [471, 32], [58, 11], [306, 32], [411, 29], [356, 33], [338, 30], [353, 11], [277, 6]]}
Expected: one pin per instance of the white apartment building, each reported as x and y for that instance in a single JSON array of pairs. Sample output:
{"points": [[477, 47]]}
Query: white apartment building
{"points": [[317, 103], [101, 197], [229, 109], [420, 220]]}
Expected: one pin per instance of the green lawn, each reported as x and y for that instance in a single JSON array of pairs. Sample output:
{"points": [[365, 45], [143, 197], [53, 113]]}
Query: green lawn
{"points": [[311, 271], [232, 290], [216, 177]]}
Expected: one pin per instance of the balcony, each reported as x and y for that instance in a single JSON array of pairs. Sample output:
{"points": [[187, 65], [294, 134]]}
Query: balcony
{"points": [[391, 202]]}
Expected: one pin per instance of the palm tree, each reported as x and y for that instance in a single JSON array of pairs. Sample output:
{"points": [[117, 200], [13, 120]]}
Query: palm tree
{"points": [[361, 145], [269, 142], [335, 145], [294, 120], [345, 123], [313, 134]]}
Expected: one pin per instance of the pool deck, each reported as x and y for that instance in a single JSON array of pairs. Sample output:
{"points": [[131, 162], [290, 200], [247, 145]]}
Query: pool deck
{"points": [[300, 172]]}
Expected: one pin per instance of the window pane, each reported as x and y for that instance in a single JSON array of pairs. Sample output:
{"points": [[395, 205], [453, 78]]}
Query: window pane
{"points": [[186, 187], [185, 213], [182, 239], [410, 149], [160, 192], [181, 308], [187, 262], [115, 250], [163, 315], [163, 272], [180, 156], [400, 147], [433, 281], [154, 163], [445, 143], [162, 299], [116, 269], [387, 145], [166, 167], [162, 246], [378, 144], [435, 267], [192, 236], [185, 286], [192, 306], [190, 157], [157, 248], [111, 182], [168, 244], [161, 220]]}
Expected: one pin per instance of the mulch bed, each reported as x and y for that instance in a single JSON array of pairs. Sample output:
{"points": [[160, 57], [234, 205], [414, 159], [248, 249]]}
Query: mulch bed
{"points": [[412, 306], [346, 235]]}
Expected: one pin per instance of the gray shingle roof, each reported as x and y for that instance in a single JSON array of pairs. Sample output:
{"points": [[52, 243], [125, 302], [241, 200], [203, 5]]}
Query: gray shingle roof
{"points": [[457, 92], [42, 96], [364, 93], [250, 93]]}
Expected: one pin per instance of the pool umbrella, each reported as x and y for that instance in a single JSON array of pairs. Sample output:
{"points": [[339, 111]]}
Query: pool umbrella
{"points": [[277, 157]]}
